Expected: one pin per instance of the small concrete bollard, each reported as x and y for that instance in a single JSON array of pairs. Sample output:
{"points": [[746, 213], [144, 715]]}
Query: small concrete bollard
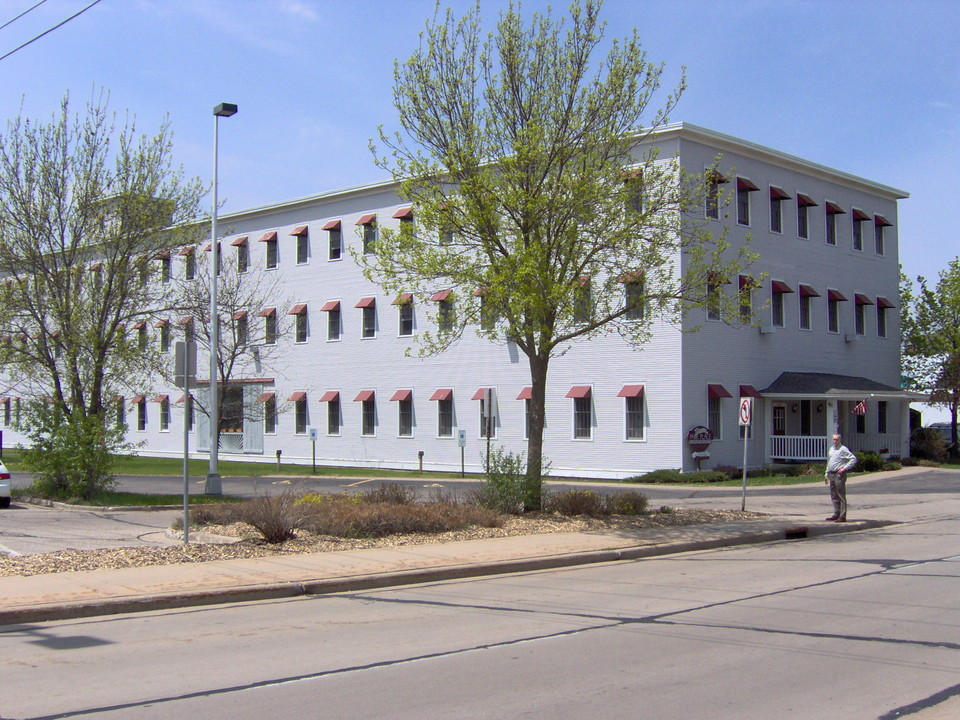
{"points": [[420, 458], [278, 459]]}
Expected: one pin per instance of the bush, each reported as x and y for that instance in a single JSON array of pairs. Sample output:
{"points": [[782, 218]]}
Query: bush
{"points": [[391, 493], [891, 466], [676, 476], [71, 455], [928, 444], [731, 471], [275, 517], [504, 488], [626, 502], [869, 461], [576, 502]]}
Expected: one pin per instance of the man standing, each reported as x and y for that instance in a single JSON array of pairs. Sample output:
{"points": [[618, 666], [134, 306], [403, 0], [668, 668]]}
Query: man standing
{"points": [[839, 460]]}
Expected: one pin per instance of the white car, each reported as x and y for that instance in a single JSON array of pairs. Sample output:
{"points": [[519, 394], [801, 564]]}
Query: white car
{"points": [[4, 486]]}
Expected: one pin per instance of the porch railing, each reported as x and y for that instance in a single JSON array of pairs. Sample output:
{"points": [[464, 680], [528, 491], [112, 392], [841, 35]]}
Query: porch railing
{"points": [[798, 447], [879, 443]]}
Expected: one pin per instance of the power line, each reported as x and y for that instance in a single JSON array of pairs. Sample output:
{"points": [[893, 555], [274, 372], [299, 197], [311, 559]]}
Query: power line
{"points": [[47, 32], [22, 14]]}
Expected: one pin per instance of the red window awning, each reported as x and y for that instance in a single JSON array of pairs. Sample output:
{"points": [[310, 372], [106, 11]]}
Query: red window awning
{"points": [[186, 320], [267, 396], [861, 299], [834, 209], [749, 391], [299, 230], [330, 306], [442, 394], [240, 314], [162, 255], [161, 398], [526, 393], [441, 295], [404, 214], [330, 396], [210, 245], [242, 240], [631, 277], [139, 325], [367, 219], [480, 393], [778, 193], [364, 396], [401, 396], [836, 295], [717, 391], [744, 184], [806, 200], [331, 225], [136, 399], [297, 396], [631, 391], [860, 215], [882, 302], [268, 236], [298, 309], [808, 291], [578, 392], [367, 302], [746, 281], [882, 221], [267, 312], [403, 299], [780, 287], [161, 323], [716, 177], [188, 250]]}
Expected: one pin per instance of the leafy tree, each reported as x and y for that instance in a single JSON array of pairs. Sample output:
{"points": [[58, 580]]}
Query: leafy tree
{"points": [[86, 212], [930, 331], [531, 207]]}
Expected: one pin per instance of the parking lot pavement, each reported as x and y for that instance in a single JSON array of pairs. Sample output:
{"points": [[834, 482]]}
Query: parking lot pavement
{"points": [[28, 529]]}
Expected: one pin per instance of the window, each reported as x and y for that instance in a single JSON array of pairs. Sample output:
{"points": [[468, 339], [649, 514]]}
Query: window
{"points": [[444, 400], [858, 319], [368, 225], [879, 223], [488, 313], [368, 317], [526, 394], [633, 191], [583, 301], [488, 414], [804, 203], [303, 244], [334, 245], [404, 303], [243, 257], [368, 412], [582, 411], [333, 416], [777, 196], [834, 298], [269, 316], [882, 417], [779, 289], [446, 311], [7, 412], [141, 336], [404, 399], [633, 296], [272, 250], [744, 188], [861, 424], [712, 200], [746, 298], [189, 263], [299, 313], [804, 311], [858, 217], [713, 301], [332, 308], [633, 411], [882, 305], [241, 327], [405, 216], [299, 400], [141, 412], [164, 401], [269, 400], [832, 210], [715, 395], [165, 268], [121, 412], [860, 303], [164, 327], [187, 323]]}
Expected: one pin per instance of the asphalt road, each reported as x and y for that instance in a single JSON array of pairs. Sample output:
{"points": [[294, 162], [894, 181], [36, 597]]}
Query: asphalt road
{"points": [[856, 626]]}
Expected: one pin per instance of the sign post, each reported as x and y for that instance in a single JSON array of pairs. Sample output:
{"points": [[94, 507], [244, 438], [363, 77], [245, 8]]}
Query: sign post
{"points": [[746, 419], [313, 441], [462, 442]]}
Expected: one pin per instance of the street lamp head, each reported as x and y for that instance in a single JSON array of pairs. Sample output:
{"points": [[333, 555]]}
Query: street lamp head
{"points": [[225, 110]]}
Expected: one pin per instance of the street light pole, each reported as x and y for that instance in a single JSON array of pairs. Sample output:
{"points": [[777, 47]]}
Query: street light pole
{"points": [[212, 486]]}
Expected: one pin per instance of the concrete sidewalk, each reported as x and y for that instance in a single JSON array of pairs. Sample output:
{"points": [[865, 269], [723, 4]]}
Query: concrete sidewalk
{"points": [[66, 595]]}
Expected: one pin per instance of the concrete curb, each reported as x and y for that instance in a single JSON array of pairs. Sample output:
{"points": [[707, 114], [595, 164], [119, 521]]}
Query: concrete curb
{"points": [[271, 591]]}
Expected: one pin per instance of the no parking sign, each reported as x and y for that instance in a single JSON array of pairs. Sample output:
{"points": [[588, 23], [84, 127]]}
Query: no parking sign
{"points": [[746, 411]]}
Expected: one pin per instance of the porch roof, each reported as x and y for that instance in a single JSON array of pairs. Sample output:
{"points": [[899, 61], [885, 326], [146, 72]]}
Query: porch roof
{"points": [[838, 387]]}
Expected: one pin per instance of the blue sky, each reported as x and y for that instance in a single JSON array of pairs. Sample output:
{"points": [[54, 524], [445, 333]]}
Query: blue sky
{"points": [[870, 88]]}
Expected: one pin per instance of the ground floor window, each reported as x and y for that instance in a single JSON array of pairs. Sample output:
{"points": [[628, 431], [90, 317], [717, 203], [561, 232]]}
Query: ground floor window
{"points": [[582, 418], [369, 417], [164, 414], [333, 416], [634, 418], [405, 418], [270, 414], [141, 415], [714, 407], [445, 417], [301, 415]]}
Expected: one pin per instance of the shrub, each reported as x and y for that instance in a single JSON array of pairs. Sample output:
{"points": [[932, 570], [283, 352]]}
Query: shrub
{"points": [[504, 488], [626, 502], [71, 454], [576, 502], [730, 471], [869, 461], [928, 444], [391, 493], [891, 466], [275, 517]]}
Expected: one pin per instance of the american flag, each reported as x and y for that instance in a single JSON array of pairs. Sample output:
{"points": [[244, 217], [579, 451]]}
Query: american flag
{"points": [[860, 408]]}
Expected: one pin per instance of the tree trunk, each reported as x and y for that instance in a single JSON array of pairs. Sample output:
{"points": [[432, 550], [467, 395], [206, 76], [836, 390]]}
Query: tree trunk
{"points": [[533, 495]]}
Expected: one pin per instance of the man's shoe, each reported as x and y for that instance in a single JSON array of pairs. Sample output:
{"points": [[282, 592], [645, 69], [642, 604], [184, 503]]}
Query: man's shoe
{"points": [[841, 519], [832, 518]]}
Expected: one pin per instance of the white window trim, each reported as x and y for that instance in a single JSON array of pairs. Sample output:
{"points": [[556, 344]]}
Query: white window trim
{"points": [[643, 405], [573, 418]]}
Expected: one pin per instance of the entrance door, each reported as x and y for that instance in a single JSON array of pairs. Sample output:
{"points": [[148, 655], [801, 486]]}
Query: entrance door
{"points": [[780, 420]]}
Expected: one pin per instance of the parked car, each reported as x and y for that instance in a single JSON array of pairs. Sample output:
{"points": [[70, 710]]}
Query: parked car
{"points": [[4, 486]]}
